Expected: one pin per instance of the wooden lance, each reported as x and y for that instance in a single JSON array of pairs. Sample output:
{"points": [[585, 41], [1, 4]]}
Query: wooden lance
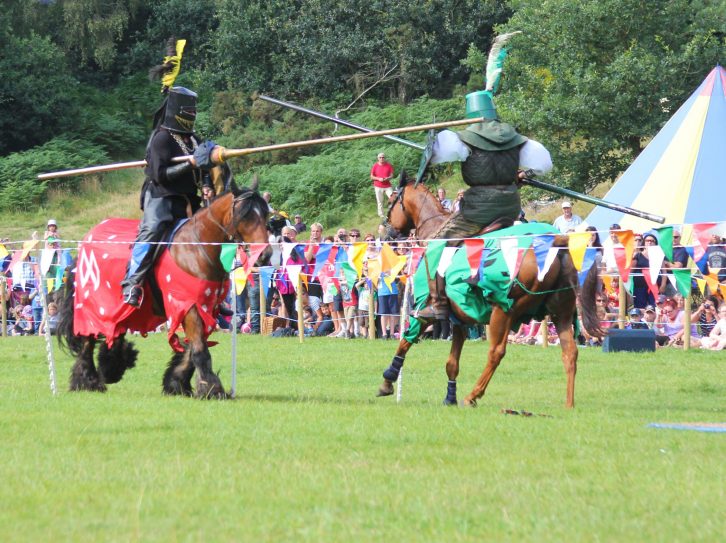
{"points": [[531, 182], [221, 154]]}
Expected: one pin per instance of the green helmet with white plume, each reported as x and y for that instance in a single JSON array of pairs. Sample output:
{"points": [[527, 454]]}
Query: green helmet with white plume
{"points": [[490, 135]]}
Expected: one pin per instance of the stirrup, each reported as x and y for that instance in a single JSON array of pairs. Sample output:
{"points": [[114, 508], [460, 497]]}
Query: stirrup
{"points": [[134, 296]]}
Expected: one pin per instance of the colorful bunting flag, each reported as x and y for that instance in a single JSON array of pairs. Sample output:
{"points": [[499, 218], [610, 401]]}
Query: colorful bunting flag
{"points": [[447, 256], [683, 281], [701, 284], [703, 236], [587, 262], [473, 253], [227, 254], [665, 240], [577, 243], [266, 277], [544, 253], [293, 272], [356, 255], [322, 257], [388, 258], [3, 251]]}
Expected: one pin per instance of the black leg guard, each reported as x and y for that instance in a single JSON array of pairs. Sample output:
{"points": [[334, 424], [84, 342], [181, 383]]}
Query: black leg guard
{"points": [[450, 393], [391, 374]]}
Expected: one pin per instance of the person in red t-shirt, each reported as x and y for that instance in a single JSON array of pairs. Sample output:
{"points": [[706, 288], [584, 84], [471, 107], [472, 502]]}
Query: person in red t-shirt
{"points": [[381, 175]]}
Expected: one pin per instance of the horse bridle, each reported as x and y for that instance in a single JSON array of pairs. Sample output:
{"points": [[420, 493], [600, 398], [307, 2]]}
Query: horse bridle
{"points": [[237, 200], [399, 199]]}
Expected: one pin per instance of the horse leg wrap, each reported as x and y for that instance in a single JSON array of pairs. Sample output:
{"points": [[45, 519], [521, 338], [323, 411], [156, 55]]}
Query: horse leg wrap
{"points": [[450, 393], [391, 374]]}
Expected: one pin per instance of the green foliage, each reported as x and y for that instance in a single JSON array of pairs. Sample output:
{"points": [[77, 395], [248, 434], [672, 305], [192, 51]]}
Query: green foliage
{"points": [[36, 92], [19, 188], [590, 79], [315, 48], [330, 184]]}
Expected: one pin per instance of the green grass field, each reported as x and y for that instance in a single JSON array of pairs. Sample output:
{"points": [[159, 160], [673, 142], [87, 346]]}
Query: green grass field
{"points": [[307, 453]]}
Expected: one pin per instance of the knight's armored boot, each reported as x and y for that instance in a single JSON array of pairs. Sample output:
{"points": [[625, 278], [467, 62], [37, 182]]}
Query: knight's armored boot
{"points": [[438, 306], [133, 295]]}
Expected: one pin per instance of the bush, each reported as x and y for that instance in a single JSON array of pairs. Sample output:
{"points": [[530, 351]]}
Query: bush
{"points": [[19, 186]]}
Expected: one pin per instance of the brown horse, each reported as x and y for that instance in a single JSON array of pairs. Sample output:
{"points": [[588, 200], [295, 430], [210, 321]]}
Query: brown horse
{"points": [[414, 206], [236, 216]]}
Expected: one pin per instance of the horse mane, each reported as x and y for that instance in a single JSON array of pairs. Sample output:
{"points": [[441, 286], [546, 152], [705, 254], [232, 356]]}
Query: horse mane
{"points": [[252, 201], [405, 181]]}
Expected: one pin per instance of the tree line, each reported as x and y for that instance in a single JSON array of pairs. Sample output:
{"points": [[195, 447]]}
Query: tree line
{"points": [[593, 80]]}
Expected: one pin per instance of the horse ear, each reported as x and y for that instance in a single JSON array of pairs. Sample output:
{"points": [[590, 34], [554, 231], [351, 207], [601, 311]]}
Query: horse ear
{"points": [[403, 180], [255, 182]]}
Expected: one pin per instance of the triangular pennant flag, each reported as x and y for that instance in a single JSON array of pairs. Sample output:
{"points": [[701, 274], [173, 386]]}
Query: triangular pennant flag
{"points": [[388, 258], [357, 255], [226, 255], [293, 272], [541, 246], [549, 259], [255, 250], [395, 270], [265, 277], [626, 239], [701, 284], [683, 281], [577, 243], [445, 261], [712, 283], [587, 263], [350, 274], [703, 236], [722, 288], [651, 285], [702, 264], [474, 248], [239, 276], [287, 248], [607, 281], [432, 256], [665, 240], [655, 262], [623, 262], [46, 259], [3, 251], [374, 270], [511, 252], [28, 246], [321, 258]]}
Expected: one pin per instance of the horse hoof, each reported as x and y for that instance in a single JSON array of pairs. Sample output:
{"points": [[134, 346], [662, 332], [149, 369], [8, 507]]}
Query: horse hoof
{"points": [[469, 403], [386, 389], [449, 402], [210, 391]]}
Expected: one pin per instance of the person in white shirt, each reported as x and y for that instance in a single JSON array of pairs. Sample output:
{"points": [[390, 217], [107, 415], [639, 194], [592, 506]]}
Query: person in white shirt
{"points": [[567, 221]]}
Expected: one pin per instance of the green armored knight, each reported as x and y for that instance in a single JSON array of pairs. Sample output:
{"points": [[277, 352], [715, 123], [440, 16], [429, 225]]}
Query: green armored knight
{"points": [[493, 156]]}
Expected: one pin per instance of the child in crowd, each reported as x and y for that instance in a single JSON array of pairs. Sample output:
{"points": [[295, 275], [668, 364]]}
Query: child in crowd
{"points": [[52, 320], [308, 321], [636, 320]]}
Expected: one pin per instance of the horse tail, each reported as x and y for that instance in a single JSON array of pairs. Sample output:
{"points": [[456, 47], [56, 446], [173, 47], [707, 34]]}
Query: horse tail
{"points": [[66, 338], [588, 293]]}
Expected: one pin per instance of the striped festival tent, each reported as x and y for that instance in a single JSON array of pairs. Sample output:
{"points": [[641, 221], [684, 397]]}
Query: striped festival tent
{"points": [[681, 174]]}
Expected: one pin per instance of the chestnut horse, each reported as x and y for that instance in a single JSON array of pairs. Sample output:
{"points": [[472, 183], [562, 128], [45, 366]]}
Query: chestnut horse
{"points": [[239, 215], [414, 206]]}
